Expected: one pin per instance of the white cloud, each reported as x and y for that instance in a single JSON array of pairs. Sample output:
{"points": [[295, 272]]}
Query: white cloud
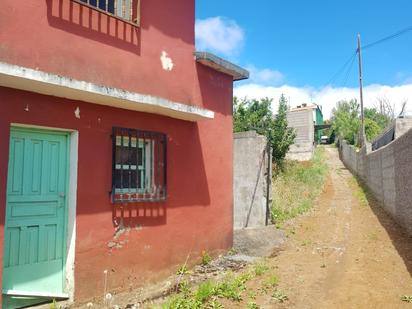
{"points": [[328, 96], [265, 76], [219, 34]]}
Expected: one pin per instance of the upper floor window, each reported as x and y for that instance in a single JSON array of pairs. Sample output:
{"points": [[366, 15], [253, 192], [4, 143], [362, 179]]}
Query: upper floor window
{"points": [[124, 9]]}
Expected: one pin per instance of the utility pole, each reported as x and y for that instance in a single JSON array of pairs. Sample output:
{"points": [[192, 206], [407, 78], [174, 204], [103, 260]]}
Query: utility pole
{"points": [[363, 137]]}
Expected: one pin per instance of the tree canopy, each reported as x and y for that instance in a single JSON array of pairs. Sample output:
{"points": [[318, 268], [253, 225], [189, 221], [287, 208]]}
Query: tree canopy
{"points": [[346, 121], [257, 115]]}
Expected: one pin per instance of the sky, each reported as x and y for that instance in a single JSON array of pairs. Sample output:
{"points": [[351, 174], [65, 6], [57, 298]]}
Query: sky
{"points": [[297, 47]]}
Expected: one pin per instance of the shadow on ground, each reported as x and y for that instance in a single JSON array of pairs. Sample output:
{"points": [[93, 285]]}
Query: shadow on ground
{"points": [[400, 239]]}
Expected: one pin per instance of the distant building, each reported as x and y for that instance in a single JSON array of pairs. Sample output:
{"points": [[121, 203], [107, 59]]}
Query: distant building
{"points": [[304, 119]]}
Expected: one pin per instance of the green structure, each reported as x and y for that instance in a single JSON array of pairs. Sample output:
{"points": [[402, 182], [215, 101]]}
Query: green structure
{"points": [[318, 121]]}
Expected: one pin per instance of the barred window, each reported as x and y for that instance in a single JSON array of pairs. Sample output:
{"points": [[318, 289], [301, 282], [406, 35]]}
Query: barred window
{"points": [[124, 9], [139, 166]]}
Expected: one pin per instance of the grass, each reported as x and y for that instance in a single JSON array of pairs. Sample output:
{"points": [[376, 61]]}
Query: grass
{"points": [[407, 298], [269, 284], [296, 188], [280, 296], [208, 294], [260, 268], [252, 305], [206, 258], [359, 192], [232, 287], [182, 270]]}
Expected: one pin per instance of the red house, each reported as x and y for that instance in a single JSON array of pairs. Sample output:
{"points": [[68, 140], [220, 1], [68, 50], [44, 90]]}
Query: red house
{"points": [[115, 146]]}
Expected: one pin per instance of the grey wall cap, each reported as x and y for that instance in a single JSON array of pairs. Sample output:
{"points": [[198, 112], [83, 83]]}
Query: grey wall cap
{"points": [[221, 65], [246, 134], [28, 79]]}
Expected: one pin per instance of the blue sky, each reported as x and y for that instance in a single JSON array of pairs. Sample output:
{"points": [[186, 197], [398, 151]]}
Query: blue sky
{"points": [[297, 46]]}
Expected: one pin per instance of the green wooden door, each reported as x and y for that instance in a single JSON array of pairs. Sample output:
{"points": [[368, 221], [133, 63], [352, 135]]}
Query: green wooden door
{"points": [[35, 231]]}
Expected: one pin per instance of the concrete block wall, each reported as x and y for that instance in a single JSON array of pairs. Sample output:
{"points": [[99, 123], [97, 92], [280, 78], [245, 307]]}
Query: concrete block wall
{"points": [[250, 164], [388, 179], [302, 122], [388, 174], [403, 180]]}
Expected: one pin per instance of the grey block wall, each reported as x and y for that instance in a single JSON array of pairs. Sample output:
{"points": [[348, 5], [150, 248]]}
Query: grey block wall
{"points": [[250, 181], [388, 174], [302, 122]]}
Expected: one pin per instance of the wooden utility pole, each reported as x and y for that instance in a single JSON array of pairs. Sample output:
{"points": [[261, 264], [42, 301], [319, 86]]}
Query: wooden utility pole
{"points": [[361, 92]]}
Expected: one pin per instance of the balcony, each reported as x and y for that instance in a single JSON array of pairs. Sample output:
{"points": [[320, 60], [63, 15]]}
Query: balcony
{"points": [[126, 10]]}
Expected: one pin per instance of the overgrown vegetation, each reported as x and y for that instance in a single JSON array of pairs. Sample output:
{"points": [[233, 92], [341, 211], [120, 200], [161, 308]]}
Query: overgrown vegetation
{"points": [[346, 120], [407, 298], [208, 294], [297, 186], [257, 115], [182, 270], [359, 192], [233, 289], [206, 258]]}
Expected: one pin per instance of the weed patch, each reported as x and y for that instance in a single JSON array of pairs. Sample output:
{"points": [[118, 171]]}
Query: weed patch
{"points": [[359, 192], [252, 305], [182, 270], [206, 258], [296, 188], [407, 299], [260, 268], [280, 296]]}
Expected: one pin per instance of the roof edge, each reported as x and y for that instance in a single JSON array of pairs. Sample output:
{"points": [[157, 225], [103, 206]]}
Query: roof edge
{"points": [[219, 64]]}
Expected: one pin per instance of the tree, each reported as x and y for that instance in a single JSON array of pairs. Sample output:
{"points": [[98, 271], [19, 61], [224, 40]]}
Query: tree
{"points": [[346, 120], [282, 136], [252, 115], [382, 120], [385, 108], [257, 115]]}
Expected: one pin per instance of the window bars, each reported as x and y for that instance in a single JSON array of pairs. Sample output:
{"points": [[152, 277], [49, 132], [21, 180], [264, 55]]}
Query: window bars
{"points": [[127, 10], [139, 166]]}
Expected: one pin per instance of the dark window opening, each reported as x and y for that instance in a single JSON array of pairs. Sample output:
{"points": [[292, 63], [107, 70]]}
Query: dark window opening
{"points": [[139, 166], [124, 9]]}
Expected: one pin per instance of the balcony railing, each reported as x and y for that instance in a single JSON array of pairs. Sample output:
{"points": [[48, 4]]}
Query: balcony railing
{"points": [[125, 10]]}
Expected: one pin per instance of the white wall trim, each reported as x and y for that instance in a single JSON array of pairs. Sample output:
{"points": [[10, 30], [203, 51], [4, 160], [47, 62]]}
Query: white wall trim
{"points": [[23, 78], [71, 214]]}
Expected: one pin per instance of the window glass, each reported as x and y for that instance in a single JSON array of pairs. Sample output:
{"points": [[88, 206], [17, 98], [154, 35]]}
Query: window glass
{"points": [[139, 165]]}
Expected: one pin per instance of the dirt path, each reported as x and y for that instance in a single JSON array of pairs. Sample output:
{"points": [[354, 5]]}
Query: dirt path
{"points": [[344, 253]]}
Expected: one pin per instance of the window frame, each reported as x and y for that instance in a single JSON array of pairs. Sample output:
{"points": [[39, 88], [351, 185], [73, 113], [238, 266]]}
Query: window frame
{"points": [[134, 7], [152, 186]]}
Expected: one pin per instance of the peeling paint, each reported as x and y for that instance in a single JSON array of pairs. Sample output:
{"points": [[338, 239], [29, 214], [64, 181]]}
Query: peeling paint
{"points": [[26, 109], [116, 244], [167, 62], [77, 112]]}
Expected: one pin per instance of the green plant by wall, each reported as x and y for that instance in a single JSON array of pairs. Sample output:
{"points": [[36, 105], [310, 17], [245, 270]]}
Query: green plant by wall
{"points": [[206, 258], [257, 115]]}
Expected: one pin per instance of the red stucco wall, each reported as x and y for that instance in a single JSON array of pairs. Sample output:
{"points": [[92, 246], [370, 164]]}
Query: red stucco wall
{"points": [[66, 38], [197, 215], [60, 37]]}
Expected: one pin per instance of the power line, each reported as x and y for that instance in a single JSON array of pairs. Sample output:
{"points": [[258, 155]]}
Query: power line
{"points": [[347, 66], [387, 38], [349, 71], [342, 69]]}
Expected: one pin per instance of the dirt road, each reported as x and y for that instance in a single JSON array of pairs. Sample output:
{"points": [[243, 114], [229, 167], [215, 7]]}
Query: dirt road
{"points": [[343, 253]]}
